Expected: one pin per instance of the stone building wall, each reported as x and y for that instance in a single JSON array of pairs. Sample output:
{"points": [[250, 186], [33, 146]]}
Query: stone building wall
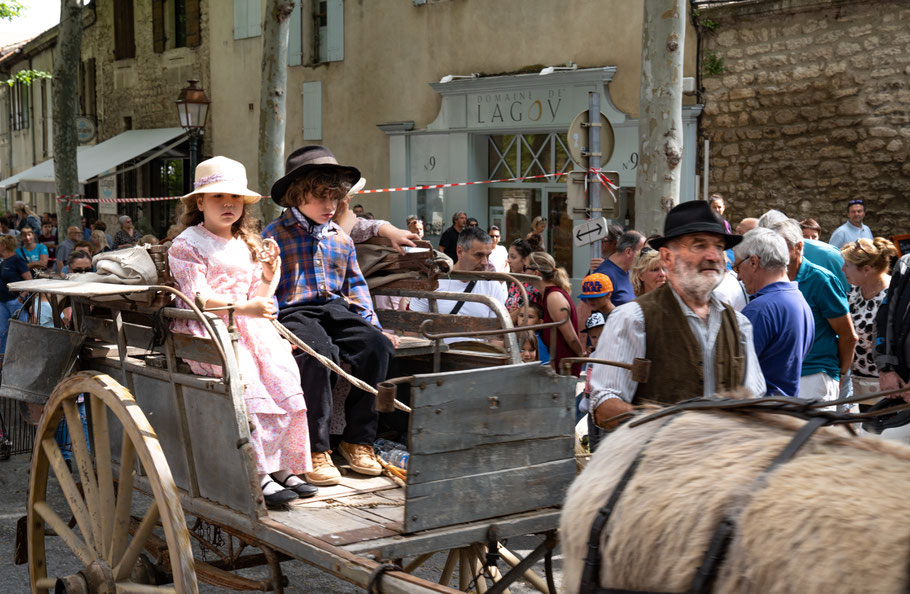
{"points": [[812, 110], [143, 88]]}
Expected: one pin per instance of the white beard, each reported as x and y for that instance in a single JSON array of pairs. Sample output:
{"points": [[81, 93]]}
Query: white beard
{"points": [[695, 283]]}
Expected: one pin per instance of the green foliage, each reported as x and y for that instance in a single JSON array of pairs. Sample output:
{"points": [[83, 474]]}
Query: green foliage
{"points": [[10, 9], [713, 64], [704, 24], [27, 77]]}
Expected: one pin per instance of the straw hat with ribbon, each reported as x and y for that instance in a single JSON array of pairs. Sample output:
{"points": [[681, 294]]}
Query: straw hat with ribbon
{"points": [[220, 175]]}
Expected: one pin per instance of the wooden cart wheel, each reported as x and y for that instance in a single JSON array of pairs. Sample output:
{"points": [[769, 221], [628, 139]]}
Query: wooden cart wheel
{"points": [[101, 509]]}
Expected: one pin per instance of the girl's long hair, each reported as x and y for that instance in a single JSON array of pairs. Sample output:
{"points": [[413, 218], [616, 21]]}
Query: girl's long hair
{"points": [[549, 271], [245, 228]]}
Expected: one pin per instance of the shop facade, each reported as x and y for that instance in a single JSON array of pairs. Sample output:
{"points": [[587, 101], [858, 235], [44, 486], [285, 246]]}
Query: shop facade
{"points": [[515, 126]]}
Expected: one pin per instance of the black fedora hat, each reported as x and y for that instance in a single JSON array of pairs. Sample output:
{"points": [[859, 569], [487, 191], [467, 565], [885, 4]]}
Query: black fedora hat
{"points": [[695, 216], [304, 160]]}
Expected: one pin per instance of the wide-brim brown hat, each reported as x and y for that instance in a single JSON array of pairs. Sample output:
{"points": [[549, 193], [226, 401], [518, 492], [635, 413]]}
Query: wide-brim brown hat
{"points": [[307, 159], [220, 175], [695, 216]]}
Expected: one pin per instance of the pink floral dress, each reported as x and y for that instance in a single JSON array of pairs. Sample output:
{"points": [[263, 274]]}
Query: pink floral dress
{"points": [[201, 262]]}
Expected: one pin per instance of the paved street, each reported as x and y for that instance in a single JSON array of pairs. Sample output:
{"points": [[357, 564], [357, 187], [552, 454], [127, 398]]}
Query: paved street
{"points": [[302, 577]]}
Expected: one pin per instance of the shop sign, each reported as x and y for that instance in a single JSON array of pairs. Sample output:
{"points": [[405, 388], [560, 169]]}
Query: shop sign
{"points": [[525, 107]]}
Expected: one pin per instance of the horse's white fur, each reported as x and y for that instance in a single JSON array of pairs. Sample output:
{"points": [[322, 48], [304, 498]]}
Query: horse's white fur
{"points": [[836, 518]]}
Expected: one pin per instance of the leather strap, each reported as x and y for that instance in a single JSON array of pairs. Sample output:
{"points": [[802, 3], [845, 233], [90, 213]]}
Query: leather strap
{"points": [[460, 304], [706, 574], [590, 575]]}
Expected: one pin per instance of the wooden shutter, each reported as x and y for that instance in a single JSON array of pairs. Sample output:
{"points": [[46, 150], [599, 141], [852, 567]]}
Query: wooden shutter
{"points": [[247, 18], [312, 110], [193, 31], [335, 31], [295, 39], [124, 37], [159, 38]]}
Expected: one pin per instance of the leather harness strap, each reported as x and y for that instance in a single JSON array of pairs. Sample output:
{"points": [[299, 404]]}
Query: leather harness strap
{"points": [[590, 575], [704, 578], [706, 574]]}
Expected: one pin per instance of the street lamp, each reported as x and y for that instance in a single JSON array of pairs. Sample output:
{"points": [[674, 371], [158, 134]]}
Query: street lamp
{"points": [[193, 109]]}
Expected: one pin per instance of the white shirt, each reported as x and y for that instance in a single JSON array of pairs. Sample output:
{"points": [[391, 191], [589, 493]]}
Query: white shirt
{"points": [[499, 258], [848, 233], [623, 340], [731, 292], [494, 289]]}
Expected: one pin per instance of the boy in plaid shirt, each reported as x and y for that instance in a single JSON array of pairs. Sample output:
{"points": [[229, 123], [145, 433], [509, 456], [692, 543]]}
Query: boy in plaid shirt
{"points": [[324, 300]]}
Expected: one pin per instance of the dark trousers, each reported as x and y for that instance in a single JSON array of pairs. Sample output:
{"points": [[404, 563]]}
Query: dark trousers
{"points": [[332, 330]]}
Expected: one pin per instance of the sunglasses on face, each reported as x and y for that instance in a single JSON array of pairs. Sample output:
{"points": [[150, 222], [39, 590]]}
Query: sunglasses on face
{"points": [[78, 270]]}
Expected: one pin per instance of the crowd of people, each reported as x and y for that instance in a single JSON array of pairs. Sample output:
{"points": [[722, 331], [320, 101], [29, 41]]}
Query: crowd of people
{"points": [[768, 308]]}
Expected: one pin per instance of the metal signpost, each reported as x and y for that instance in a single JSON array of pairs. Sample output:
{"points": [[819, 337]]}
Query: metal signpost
{"points": [[600, 141]]}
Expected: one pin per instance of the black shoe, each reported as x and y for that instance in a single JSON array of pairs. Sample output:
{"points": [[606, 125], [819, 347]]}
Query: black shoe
{"points": [[280, 498], [303, 490]]}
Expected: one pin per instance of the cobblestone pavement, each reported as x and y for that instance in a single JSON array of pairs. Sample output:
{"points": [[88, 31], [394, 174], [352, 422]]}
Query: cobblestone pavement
{"points": [[302, 577]]}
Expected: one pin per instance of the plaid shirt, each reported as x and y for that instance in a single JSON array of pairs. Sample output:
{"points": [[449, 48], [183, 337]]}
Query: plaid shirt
{"points": [[316, 271]]}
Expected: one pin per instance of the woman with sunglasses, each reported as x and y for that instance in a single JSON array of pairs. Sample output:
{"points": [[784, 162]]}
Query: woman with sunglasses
{"points": [[80, 261], [647, 272], [866, 267]]}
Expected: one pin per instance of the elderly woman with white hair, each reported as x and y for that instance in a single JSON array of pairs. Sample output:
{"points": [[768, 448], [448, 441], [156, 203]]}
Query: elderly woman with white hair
{"points": [[782, 324], [128, 236]]}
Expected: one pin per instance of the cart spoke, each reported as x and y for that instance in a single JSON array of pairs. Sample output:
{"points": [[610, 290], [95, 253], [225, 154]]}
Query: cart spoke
{"points": [[82, 549], [102, 453], [86, 469], [121, 523], [133, 588], [68, 486], [125, 564]]}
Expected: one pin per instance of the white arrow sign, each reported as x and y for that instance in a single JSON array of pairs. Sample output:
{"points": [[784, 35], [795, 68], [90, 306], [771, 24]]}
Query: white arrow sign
{"points": [[589, 231]]}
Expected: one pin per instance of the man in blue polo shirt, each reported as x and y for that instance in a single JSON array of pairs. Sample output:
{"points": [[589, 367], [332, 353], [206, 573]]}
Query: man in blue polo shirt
{"points": [[618, 264], [831, 354], [782, 324]]}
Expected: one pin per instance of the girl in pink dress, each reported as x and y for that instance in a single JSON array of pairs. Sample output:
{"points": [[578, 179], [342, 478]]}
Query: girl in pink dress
{"points": [[219, 256]]}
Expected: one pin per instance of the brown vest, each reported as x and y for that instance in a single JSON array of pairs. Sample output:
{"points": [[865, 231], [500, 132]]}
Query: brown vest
{"points": [[677, 370]]}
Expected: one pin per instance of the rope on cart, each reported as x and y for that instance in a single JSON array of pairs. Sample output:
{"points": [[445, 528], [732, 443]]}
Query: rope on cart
{"points": [[332, 365]]}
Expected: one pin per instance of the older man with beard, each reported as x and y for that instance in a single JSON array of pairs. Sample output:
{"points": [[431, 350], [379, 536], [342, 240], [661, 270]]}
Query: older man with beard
{"points": [[697, 345]]}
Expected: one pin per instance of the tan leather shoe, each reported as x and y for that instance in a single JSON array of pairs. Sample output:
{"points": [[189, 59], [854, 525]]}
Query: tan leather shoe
{"points": [[324, 472], [361, 458]]}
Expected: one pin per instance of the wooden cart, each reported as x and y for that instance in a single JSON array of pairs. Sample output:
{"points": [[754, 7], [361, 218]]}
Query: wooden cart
{"points": [[165, 465]]}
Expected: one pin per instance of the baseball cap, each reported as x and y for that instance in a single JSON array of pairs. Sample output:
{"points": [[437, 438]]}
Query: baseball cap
{"points": [[596, 285], [595, 320]]}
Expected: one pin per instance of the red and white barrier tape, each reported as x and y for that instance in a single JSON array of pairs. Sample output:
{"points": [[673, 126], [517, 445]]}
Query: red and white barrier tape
{"points": [[603, 180]]}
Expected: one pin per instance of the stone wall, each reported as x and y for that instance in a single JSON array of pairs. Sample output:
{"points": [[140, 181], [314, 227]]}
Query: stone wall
{"points": [[143, 88], [812, 110]]}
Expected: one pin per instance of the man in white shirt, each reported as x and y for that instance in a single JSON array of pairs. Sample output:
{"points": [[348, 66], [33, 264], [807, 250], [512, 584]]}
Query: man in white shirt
{"points": [[474, 247], [697, 345], [854, 228]]}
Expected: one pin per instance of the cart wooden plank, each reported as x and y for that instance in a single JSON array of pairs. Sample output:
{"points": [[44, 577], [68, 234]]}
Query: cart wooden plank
{"points": [[488, 443], [464, 498], [491, 457], [451, 537], [77, 289]]}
